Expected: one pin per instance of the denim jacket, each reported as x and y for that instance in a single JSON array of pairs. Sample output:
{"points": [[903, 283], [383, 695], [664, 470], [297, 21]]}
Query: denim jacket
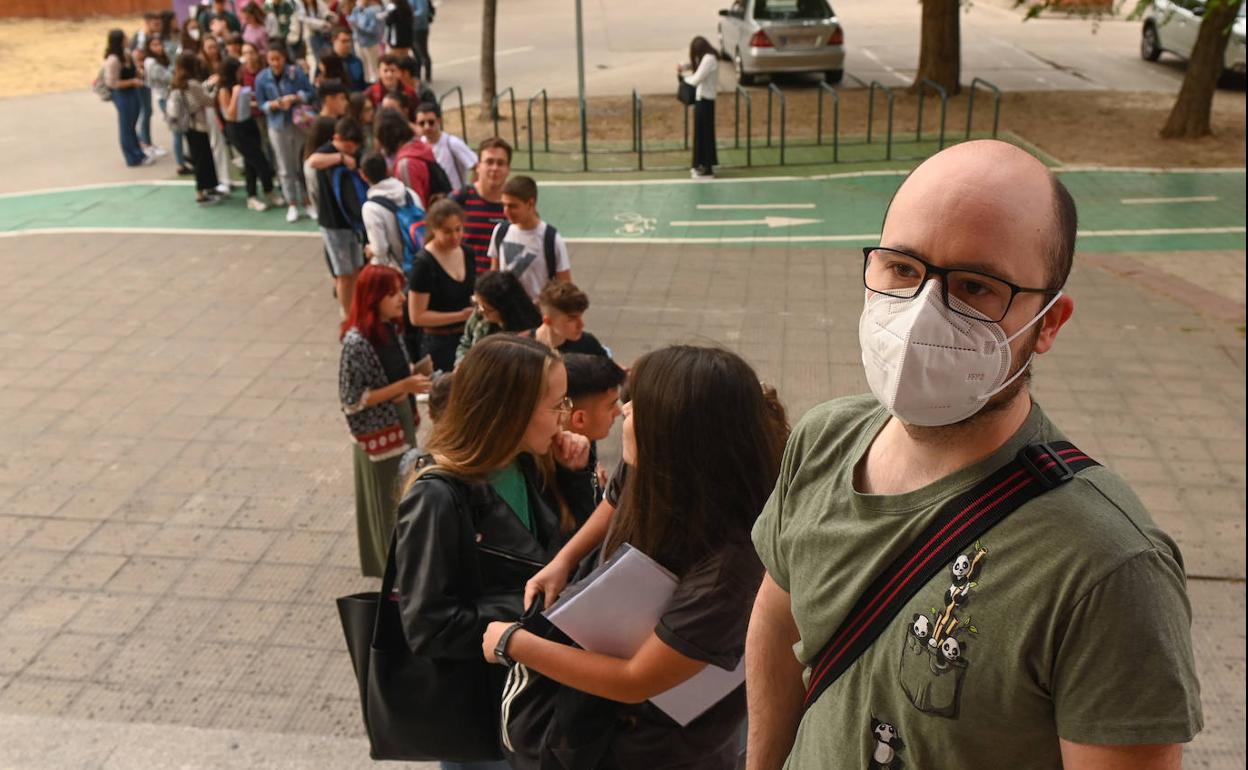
{"points": [[269, 88], [368, 24]]}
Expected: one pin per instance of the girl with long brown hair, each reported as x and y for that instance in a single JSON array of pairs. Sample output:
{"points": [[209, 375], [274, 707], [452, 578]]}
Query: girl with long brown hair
{"points": [[703, 440], [489, 513]]}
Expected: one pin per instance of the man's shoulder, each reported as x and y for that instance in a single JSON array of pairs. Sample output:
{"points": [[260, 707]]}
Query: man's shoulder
{"points": [[835, 416]]}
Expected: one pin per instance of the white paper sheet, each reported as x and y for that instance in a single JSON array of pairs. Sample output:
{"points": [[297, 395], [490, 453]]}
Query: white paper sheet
{"points": [[614, 610]]}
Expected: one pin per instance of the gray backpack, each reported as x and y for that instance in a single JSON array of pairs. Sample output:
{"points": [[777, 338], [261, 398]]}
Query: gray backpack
{"points": [[177, 112]]}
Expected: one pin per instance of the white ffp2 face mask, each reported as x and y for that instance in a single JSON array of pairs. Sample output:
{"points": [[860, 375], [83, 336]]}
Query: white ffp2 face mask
{"points": [[929, 365]]}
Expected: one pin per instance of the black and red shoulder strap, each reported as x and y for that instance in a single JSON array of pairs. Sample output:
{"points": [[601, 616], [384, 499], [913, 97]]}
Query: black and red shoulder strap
{"points": [[1036, 469]]}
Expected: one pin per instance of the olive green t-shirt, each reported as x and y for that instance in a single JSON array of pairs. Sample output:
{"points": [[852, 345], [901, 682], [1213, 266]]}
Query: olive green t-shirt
{"points": [[1069, 619]]}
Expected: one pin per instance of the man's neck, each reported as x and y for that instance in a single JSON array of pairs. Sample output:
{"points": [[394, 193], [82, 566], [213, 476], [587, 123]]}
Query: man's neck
{"points": [[904, 458], [491, 194], [528, 224], [547, 335]]}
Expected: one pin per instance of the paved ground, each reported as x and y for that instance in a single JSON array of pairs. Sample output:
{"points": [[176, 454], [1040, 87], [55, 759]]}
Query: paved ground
{"points": [[175, 502]]}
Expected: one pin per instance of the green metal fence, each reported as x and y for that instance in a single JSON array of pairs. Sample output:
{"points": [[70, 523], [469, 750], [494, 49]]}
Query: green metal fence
{"points": [[750, 145]]}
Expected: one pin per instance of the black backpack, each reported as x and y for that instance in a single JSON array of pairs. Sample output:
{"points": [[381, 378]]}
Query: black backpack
{"points": [[548, 245], [439, 182]]}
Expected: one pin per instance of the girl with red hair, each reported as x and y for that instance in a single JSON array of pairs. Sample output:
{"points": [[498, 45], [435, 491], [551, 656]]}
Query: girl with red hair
{"points": [[375, 385]]}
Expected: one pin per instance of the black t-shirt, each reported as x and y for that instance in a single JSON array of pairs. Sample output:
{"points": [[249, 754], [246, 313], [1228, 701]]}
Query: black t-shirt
{"points": [[615, 486], [328, 213], [446, 295], [392, 359], [587, 344], [705, 620]]}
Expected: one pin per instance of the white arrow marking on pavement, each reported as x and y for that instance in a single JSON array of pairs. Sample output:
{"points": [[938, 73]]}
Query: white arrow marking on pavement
{"points": [[772, 222], [1161, 231], [736, 206], [1190, 199]]}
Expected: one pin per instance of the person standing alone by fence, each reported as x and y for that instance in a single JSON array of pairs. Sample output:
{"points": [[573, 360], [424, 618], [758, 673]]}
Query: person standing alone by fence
{"points": [[702, 72]]}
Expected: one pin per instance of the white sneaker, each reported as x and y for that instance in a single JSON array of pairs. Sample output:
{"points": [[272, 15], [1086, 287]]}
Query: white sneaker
{"points": [[276, 199], [156, 152], [255, 204], [224, 188], [292, 214], [310, 210], [147, 160]]}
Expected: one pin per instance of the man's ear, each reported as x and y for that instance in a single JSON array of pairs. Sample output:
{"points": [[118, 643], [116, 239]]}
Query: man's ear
{"points": [[1053, 321], [577, 420]]}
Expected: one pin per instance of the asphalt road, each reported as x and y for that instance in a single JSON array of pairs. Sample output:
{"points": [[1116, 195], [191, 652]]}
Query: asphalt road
{"points": [[636, 44]]}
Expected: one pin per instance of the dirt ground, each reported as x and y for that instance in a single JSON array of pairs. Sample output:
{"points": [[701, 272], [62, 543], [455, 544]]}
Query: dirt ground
{"points": [[1083, 127]]}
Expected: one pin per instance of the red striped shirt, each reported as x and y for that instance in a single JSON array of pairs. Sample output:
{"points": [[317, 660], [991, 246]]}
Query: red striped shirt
{"points": [[480, 217]]}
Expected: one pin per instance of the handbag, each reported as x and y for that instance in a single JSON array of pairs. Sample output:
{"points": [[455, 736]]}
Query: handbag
{"points": [[1036, 469], [416, 707], [685, 93]]}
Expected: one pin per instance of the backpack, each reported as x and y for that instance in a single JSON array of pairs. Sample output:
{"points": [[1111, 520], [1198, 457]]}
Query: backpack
{"points": [[350, 191], [411, 221], [100, 88], [177, 113], [548, 245], [424, 175]]}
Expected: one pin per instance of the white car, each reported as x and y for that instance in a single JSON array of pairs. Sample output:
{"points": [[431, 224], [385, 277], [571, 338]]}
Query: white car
{"points": [[764, 37], [1172, 25]]}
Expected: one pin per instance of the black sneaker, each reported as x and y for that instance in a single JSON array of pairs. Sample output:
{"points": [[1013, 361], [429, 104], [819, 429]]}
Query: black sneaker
{"points": [[185, 171]]}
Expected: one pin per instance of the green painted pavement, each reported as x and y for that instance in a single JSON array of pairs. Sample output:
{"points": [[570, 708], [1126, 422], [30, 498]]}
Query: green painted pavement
{"points": [[1119, 210]]}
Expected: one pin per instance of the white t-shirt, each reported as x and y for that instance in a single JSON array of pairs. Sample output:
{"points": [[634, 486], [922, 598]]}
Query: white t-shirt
{"points": [[456, 159], [524, 253]]}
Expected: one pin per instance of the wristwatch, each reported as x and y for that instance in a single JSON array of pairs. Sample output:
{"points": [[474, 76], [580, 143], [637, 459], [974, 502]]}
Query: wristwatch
{"points": [[500, 649]]}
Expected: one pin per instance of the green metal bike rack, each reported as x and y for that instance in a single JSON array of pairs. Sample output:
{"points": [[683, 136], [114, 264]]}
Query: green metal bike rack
{"points": [[924, 85], [826, 88], [545, 125], [463, 116], [888, 92], [996, 107]]}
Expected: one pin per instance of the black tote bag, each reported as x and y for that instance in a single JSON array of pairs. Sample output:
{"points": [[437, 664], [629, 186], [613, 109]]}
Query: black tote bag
{"points": [[416, 707], [685, 93]]}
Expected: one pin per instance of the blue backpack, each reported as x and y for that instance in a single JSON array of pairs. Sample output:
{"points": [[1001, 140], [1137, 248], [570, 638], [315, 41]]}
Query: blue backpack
{"points": [[411, 220], [350, 192]]}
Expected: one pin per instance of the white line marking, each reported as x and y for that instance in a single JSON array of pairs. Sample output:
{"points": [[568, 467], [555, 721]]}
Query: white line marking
{"points": [[477, 57], [677, 180], [751, 206], [771, 222], [1162, 231], [1190, 199], [867, 53], [156, 231]]}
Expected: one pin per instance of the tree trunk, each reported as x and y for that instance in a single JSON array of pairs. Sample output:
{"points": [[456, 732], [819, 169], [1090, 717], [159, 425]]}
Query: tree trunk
{"points": [[940, 45], [489, 83], [1189, 118]]}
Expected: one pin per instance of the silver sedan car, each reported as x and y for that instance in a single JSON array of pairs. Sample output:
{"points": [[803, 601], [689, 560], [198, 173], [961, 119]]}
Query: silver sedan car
{"points": [[764, 37]]}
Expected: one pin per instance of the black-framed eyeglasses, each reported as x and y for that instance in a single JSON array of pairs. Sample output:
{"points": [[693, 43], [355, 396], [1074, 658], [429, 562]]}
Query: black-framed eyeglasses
{"points": [[968, 293]]}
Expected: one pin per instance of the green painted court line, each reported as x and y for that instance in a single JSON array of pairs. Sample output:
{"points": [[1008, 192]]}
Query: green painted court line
{"points": [[836, 209]]}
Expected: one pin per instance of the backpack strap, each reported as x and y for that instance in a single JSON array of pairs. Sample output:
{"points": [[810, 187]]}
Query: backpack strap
{"points": [[500, 233], [549, 246], [1036, 469]]}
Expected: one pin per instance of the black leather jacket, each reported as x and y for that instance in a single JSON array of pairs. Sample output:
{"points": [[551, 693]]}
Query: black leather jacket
{"points": [[462, 558]]}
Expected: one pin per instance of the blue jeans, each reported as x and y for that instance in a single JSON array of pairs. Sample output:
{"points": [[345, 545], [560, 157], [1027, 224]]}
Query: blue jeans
{"points": [[126, 100], [145, 115], [179, 148]]}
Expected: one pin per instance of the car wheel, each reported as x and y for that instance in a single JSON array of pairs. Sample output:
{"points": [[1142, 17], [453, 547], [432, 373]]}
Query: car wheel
{"points": [[834, 76], [743, 78], [1150, 46]]}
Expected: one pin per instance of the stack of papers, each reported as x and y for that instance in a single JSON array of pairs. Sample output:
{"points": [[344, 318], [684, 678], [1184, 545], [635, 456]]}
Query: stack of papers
{"points": [[615, 609]]}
